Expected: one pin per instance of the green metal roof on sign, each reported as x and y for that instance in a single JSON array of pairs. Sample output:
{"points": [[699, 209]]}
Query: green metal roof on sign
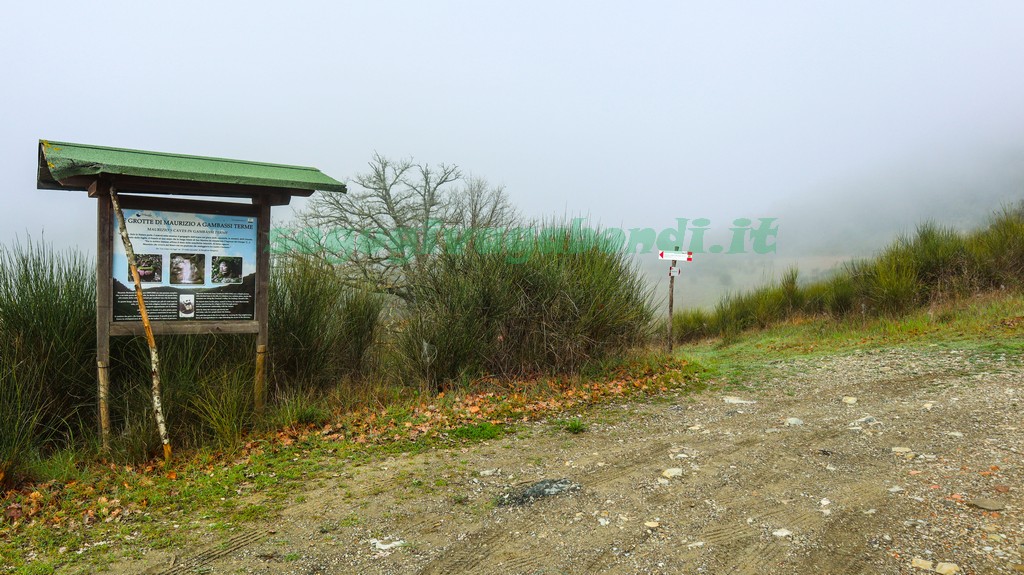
{"points": [[69, 166]]}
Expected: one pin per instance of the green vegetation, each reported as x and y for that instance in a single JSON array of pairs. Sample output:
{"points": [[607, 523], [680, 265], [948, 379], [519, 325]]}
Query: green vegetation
{"points": [[482, 339], [550, 306], [988, 323], [478, 432], [574, 426], [935, 265], [547, 306]]}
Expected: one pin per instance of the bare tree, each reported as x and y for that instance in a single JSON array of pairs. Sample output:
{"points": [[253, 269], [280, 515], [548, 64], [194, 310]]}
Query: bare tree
{"points": [[384, 230], [480, 205]]}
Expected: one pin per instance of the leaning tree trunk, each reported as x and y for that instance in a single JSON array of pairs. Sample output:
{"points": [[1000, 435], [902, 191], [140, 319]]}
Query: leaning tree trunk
{"points": [[154, 358]]}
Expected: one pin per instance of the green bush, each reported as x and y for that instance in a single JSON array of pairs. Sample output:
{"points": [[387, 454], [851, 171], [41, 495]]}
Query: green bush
{"points": [[223, 404], [514, 308], [22, 411], [48, 329], [298, 407], [320, 328], [935, 263], [998, 250], [691, 325]]}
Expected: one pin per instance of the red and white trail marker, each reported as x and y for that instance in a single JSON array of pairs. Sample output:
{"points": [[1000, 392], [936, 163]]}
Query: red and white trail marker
{"points": [[673, 271], [684, 256]]}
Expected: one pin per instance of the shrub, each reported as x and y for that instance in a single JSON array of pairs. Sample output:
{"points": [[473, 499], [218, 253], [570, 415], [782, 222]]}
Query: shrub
{"points": [[48, 329], [550, 306], [22, 411], [998, 250], [320, 328]]}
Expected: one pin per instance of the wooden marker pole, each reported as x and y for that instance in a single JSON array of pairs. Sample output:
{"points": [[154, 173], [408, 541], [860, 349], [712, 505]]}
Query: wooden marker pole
{"points": [[104, 299], [671, 295], [154, 358]]}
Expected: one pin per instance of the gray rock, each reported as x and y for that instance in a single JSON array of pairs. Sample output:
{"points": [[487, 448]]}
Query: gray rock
{"points": [[543, 488], [736, 400], [987, 504]]}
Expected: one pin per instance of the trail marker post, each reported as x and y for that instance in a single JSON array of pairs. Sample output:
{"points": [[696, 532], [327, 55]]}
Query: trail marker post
{"points": [[673, 271]]}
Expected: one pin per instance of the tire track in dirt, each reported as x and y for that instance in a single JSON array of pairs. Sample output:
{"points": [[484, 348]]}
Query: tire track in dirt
{"points": [[628, 462], [197, 562], [465, 555]]}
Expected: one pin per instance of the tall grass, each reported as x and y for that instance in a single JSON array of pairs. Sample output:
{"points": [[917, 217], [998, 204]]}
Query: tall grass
{"points": [[936, 263], [998, 250], [21, 413], [321, 329], [47, 326], [321, 332], [549, 304]]}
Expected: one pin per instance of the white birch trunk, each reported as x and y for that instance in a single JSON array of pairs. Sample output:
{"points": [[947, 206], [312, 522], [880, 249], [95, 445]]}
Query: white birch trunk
{"points": [[154, 358]]}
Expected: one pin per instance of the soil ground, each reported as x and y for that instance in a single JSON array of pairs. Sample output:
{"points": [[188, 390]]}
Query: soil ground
{"points": [[896, 493]]}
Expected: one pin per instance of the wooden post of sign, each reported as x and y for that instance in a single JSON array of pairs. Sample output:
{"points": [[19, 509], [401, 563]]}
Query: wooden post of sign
{"points": [[104, 306], [154, 358], [671, 294], [262, 303]]}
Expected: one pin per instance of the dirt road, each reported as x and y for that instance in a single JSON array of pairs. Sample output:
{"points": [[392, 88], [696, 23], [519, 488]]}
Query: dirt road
{"points": [[893, 479]]}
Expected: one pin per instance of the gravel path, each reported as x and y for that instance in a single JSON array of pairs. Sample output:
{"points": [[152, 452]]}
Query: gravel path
{"points": [[893, 461]]}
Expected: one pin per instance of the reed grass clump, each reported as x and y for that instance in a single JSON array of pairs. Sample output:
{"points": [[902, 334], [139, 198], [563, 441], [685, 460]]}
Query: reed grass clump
{"points": [[936, 263], [47, 328], [321, 328], [549, 304]]}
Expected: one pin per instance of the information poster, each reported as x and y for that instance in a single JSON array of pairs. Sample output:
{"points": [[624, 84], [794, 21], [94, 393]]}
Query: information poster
{"points": [[192, 266]]}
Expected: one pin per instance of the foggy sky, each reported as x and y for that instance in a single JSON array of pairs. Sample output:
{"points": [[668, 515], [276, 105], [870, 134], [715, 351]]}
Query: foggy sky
{"points": [[632, 114]]}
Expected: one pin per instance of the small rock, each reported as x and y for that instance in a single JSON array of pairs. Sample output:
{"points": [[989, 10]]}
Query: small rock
{"points": [[663, 481], [652, 524], [947, 568], [603, 521], [870, 512], [901, 450], [695, 544], [736, 400], [532, 492], [490, 472], [696, 427], [956, 434], [792, 421], [825, 502], [929, 405], [867, 420], [382, 546], [895, 489], [987, 504], [921, 563], [672, 472], [850, 400], [782, 533]]}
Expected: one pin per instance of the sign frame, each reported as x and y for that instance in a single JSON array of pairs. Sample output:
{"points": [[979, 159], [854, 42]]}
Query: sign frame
{"points": [[105, 267]]}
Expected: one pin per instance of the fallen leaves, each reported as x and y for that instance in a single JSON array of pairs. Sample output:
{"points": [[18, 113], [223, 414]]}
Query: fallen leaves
{"points": [[517, 401]]}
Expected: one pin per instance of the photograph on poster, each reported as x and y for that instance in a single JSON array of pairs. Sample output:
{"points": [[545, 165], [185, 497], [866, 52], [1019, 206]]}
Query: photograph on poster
{"points": [[187, 305], [226, 270], [187, 268], [150, 268]]}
